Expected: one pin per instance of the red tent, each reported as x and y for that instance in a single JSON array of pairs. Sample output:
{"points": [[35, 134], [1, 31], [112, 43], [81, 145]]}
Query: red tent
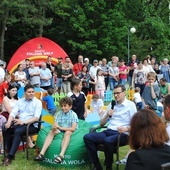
{"points": [[37, 49]]}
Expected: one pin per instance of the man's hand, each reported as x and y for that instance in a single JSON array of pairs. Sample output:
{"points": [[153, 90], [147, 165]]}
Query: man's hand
{"points": [[18, 122], [7, 125], [122, 129], [110, 113]]}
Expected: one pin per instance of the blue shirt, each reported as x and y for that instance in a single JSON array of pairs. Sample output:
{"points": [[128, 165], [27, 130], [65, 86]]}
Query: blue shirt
{"points": [[49, 102], [45, 73], [66, 119]]}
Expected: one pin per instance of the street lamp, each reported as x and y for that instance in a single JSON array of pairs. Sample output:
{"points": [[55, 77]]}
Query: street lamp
{"points": [[130, 30]]}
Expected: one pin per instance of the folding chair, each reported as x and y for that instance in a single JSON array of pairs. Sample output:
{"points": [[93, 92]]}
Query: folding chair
{"points": [[100, 147]]}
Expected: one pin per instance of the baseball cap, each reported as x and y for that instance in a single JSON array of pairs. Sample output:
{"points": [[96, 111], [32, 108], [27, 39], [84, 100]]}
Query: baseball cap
{"points": [[86, 59], [95, 61]]}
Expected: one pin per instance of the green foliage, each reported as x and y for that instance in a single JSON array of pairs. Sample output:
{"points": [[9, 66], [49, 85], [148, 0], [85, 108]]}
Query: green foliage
{"points": [[93, 28]]}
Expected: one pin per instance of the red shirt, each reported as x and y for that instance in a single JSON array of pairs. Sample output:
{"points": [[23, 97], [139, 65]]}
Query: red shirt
{"points": [[3, 86], [122, 68], [77, 68]]}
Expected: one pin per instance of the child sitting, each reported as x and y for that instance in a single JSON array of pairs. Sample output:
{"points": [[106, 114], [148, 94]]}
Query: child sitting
{"points": [[65, 122], [97, 104], [138, 99], [49, 101]]}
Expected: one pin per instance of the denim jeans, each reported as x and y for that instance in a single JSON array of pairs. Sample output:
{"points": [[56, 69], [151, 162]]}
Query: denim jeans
{"points": [[112, 83], [122, 81]]}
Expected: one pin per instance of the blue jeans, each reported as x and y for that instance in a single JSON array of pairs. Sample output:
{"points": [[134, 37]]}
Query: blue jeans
{"points": [[122, 81], [130, 80], [140, 105], [109, 139], [52, 111], [112, 83], [11, 144]]}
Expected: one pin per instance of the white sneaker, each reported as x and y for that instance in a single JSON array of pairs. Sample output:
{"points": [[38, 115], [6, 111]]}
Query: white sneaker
{"points": [[122, 161]]}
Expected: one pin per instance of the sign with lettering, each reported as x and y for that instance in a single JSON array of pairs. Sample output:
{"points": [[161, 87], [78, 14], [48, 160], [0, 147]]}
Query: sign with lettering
{"points": [[37, 49]]}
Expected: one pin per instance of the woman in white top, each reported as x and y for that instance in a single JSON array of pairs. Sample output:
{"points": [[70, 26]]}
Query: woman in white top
{"points": [[9, 100], [20, 76], [147, 67]]}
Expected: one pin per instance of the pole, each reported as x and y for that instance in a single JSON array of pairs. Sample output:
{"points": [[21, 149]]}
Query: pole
{"points": [[128, 44]]}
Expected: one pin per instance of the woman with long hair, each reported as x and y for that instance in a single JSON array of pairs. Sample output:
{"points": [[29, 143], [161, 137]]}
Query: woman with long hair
{"points": [[85, 78], [147, 137], [10, 99]]}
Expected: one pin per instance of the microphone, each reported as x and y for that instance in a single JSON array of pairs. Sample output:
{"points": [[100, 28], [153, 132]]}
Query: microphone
{"points": [[112, 106]]}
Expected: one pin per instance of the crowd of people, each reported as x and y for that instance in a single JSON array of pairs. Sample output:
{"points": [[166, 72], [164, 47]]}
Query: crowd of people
{"points": [[149, 79]]}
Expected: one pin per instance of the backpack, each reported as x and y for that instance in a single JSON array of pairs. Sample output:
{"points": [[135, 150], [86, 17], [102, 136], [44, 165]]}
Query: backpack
{"points": [[141, 78]]}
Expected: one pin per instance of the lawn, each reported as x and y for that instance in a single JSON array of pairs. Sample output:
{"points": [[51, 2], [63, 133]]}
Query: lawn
{"points": [[20, 162]]}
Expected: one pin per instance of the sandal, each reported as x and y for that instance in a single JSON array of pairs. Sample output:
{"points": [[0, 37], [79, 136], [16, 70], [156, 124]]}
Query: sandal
{"points": [[58, 159], [40, 157]]}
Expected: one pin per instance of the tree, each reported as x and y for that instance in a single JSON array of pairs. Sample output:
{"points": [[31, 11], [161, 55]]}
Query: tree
{"points": [[22, 12]]}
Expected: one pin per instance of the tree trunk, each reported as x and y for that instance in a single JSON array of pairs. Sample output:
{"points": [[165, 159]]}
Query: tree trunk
{"points": [[41, 28], [2, 38]]}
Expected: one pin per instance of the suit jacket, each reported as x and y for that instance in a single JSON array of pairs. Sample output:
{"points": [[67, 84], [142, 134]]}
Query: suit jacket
{"points": [[148, 159]]}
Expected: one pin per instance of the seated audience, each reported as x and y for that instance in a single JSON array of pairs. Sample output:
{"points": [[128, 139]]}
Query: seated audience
{"points": [[26, 110], [147, 137]]}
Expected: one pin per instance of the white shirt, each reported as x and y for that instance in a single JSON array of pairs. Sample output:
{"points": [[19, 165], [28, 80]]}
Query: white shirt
{"points": [[93, 71], [148, 69], [122, 114], [137, 97], [2, 74], [96, 105], [34, 79], [26, 110], [100, 83]]}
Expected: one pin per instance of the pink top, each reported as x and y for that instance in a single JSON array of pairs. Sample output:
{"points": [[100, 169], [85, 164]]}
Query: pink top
{"points": [[122, 68]]}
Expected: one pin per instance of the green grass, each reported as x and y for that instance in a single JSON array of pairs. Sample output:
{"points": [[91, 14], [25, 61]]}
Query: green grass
{"points": [[20, 162]]}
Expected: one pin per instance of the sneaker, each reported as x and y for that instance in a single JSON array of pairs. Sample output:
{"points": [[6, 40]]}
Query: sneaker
{"points": [[122, 161]]}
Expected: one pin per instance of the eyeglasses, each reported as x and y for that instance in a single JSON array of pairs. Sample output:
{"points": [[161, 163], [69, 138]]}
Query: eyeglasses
{"points": [[117, 93]]}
